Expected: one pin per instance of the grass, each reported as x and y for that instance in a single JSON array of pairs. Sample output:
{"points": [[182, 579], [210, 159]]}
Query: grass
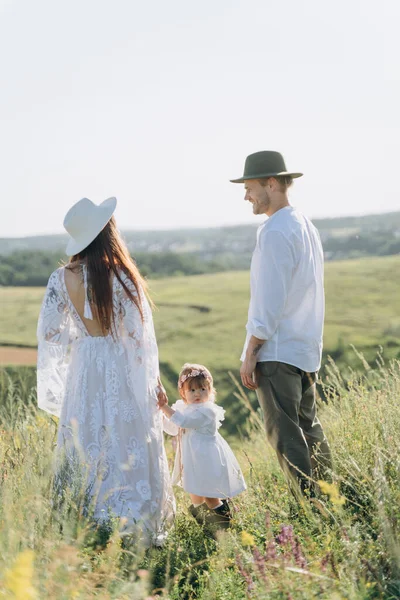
{"points": [[361, 298], [347, 547]]}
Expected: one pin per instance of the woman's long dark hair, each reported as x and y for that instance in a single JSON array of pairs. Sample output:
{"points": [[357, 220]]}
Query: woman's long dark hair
{"points": [[108, 253]]}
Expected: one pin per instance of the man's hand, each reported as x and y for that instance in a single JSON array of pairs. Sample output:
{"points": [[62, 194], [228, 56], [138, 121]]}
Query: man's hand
{"points": [[247, 372]]}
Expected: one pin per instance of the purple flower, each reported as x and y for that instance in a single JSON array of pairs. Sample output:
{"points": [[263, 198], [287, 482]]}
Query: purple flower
{"points": [[298, 555], [270, 551], [325, 561], [259, 561], [286, 535], [287, 538], [246, 576]]}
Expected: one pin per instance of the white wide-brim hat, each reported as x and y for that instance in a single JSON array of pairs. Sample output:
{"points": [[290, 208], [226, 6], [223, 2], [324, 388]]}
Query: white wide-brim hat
{"points": [[85, 220]]}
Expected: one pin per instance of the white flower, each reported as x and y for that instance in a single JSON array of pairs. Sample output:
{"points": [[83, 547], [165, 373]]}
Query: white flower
{"points": [[192, 373]]}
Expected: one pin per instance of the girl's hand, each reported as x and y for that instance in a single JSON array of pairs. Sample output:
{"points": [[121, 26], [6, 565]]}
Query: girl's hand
{"points": [[162, 401], [161, 395]]}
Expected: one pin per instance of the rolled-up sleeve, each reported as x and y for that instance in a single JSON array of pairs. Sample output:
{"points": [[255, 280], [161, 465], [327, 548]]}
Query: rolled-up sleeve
{"points": [[272, 279]]}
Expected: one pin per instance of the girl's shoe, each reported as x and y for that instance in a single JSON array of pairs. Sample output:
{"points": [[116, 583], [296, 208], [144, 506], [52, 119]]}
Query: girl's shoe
{"points": [[199, 512], [220, 517]]}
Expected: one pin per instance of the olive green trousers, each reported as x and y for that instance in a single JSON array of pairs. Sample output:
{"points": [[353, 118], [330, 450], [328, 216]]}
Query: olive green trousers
{"points": [[287, 398]]}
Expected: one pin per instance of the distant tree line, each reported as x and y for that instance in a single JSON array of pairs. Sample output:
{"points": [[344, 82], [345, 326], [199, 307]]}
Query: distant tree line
{"points": [[366, 244], [27, 268], [33, 267]]}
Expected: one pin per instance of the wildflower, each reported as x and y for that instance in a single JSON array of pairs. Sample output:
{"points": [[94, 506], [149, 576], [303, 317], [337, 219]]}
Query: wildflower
{"points": [[259, 561], [246, 576], [270, 553], [286, 535], [345, 534], [287, 538], [325, 561], [18, 579], [298, 555], [247, 539], [332, 490]]}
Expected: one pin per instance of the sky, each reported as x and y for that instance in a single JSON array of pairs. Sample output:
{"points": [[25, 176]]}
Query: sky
{"points": [[158, 103]]}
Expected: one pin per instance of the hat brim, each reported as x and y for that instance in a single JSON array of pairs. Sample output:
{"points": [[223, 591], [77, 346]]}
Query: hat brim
{"points": [[105, 212], [265, 175]]}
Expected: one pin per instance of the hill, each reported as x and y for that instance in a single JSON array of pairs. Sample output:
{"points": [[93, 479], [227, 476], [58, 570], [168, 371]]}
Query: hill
{"points": [[202, 318], [361, 298], [342, 237]]}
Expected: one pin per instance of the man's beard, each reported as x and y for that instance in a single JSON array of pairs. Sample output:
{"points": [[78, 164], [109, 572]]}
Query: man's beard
{"points": [[261, 207]]}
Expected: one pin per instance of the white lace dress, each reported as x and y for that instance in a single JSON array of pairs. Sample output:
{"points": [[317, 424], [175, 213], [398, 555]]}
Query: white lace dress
{"points": [[204, 462], [103, 389]]}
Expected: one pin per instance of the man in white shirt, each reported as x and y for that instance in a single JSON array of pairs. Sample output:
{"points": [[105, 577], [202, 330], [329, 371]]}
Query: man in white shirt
{"points": [[282, 352]]}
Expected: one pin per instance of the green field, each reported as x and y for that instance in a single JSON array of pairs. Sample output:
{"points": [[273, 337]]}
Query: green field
{"points": [[345, 546], [362, 299], [362, 309]]}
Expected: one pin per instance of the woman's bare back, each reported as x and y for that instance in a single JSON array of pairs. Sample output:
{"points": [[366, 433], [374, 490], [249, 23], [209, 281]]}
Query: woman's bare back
{"points": [[74, 283]]}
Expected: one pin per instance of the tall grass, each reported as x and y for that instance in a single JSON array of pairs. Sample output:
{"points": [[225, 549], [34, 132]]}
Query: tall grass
{"points": [[345, 545]]}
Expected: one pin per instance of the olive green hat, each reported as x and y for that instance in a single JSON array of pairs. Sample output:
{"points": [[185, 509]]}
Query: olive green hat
{"points": [[264, 164]]}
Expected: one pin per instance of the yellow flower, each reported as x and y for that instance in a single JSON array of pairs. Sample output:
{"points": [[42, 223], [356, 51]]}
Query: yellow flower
{"points": [[18, 579], [247, 539], [332, 490]]}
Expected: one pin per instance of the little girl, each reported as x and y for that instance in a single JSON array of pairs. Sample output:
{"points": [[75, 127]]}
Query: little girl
{"points": [[205, 465]]}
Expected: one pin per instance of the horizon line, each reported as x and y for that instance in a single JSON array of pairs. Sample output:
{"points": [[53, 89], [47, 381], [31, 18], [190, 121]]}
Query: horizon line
{"points": [[204, 227]]}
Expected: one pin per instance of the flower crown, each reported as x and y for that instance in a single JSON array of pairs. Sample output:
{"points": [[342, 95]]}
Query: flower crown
{"points": [[192, 373]]}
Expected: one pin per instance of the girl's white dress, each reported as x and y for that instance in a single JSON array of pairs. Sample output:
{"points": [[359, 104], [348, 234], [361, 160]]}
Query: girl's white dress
{"points": [[103, 389], [204, 462]]}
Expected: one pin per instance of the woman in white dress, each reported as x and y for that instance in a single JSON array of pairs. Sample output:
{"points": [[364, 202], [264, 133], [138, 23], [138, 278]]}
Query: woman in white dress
{"points": [[205, 465], [98, 372]]}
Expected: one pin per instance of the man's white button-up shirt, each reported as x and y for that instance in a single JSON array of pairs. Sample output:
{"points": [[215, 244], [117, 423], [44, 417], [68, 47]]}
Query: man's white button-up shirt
{"points": [[287, 291]]}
